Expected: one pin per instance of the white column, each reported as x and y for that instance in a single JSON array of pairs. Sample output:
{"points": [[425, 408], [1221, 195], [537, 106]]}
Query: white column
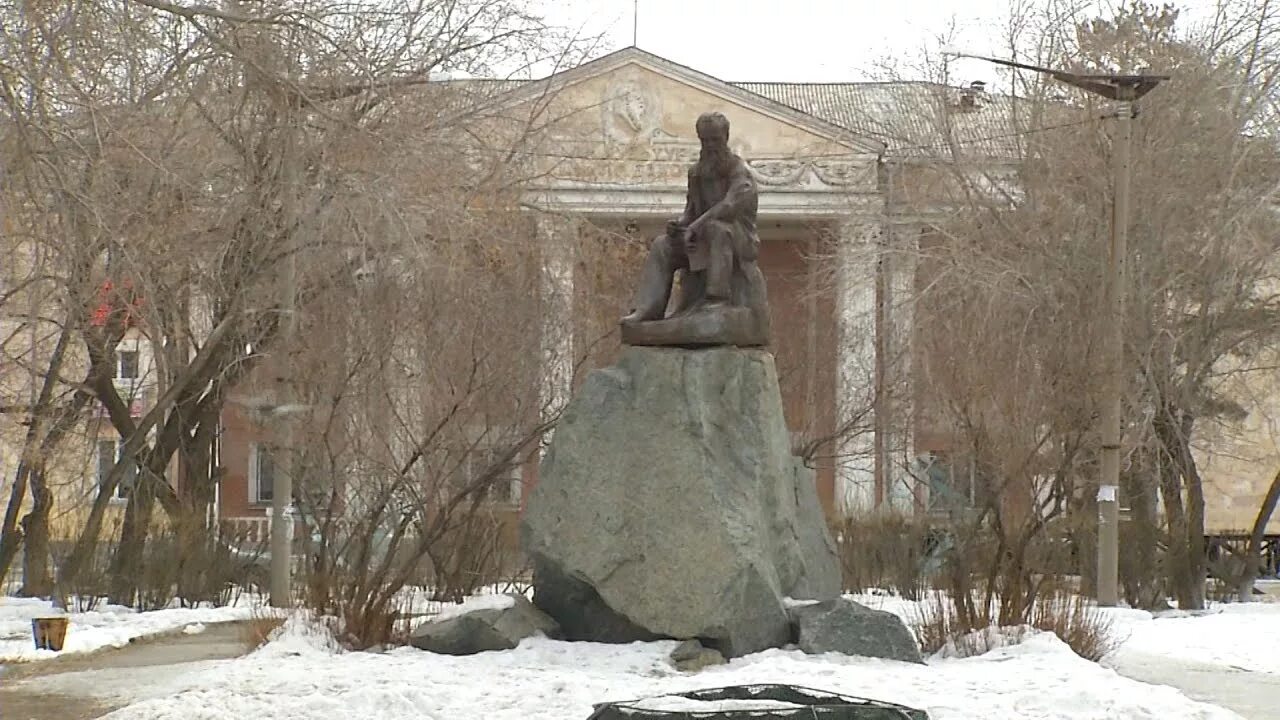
{"points": [[556, 243], [857, 247], [899, 316]]}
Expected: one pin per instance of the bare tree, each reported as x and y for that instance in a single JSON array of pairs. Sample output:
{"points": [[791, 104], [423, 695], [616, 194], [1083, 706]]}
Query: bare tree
{"points": [[187, 155], [1007, 295]]}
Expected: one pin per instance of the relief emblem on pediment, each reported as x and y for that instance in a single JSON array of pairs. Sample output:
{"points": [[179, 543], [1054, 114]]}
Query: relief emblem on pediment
{"points": [[632, 124]]}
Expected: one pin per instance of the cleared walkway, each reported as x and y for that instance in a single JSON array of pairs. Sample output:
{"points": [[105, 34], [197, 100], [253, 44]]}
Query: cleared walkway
{"points": [[84, 687], [1252, 695]]}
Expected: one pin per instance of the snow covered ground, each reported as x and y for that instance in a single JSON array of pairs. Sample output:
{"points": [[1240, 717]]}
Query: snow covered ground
{"points": [[1226, 655], [1240, 636], [303, 674], [108, 626]]}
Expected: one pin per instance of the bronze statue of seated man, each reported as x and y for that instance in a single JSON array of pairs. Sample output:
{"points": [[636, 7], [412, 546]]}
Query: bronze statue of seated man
{"points": [[715, 246]]}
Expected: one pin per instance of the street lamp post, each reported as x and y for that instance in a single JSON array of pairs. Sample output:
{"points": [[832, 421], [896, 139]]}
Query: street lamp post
{"points": [[1125, 90], [282, 492], [280, 416]]}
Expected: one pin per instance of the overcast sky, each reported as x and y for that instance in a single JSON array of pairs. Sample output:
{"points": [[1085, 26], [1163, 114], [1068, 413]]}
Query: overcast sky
{"points": [[798, 40]]}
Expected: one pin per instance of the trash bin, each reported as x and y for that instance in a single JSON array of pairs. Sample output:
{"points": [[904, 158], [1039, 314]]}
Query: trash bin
{"points": [[49, 632], [755, 702]]}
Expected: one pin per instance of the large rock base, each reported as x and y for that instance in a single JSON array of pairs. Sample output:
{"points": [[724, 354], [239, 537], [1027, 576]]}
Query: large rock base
{"points": [[846, 627], [670, 506], [499, 627]]}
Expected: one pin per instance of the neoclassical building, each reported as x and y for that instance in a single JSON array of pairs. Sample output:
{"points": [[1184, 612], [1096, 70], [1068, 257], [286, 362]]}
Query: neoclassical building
{"points": [[839, 174], [851, 180], [843, 172]]}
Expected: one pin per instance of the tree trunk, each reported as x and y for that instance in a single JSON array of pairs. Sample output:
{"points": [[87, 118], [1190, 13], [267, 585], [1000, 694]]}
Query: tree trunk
{"points": [[87, 542], [154, 462], [1138, 540], [126, 564], [195, 493], [1176, 557], [1178, 474], [1085, 533], [36, 578], [32, 445], [11, 533], [1197, 561], [1253, 553]]}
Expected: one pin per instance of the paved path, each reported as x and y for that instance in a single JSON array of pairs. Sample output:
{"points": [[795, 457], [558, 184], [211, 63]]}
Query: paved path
{"points": [[83, 687], [1252, 695]]}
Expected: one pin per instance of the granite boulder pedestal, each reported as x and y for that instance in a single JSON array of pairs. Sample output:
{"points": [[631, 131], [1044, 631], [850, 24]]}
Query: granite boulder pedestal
{"points": [[670, 506]]}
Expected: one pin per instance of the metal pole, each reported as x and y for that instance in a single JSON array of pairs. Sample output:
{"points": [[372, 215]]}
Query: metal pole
{"points": [[1113, 388], [282, 489], [286, 458]]}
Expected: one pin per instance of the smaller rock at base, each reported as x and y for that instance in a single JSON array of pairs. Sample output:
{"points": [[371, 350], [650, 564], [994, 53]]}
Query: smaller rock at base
{"points": [[691, 656], [844, 626], [484, 629]]}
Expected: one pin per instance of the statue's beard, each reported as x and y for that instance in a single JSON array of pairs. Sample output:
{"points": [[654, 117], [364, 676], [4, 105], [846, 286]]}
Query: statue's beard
{"points": [[716, 160]]}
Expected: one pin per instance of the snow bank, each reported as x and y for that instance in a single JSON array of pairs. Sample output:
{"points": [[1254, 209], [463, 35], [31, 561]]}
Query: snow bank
{"points": [[551, 680], [984, 640], [1241, 636], [299, 636], [108, 626]]}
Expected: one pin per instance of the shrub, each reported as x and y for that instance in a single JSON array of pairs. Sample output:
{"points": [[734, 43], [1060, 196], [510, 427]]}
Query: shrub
{"points": [[970, 627], [1089, 632], [257, 630], [885, 551]]}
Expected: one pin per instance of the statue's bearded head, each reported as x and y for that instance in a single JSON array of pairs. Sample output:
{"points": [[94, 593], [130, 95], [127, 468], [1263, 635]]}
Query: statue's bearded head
{"points": [[713, 133]]}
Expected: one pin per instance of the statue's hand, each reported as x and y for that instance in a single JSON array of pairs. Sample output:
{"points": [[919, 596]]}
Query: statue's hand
{"points": [[674, 229]]}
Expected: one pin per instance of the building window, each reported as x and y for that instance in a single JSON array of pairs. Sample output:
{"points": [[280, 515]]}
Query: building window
{"points": [[497, 481], [128, 369], [262, 474], [109, 452], [953, 483]]}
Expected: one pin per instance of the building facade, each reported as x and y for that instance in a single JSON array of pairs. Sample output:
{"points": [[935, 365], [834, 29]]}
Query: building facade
{"points": [[844, 172]]}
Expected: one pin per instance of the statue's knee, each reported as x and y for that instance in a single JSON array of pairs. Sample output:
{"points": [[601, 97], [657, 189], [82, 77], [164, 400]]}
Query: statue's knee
{"points": [[718, 228]]}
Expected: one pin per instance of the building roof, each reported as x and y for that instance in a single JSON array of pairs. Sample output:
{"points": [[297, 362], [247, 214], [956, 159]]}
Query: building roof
{"points": [[911, 118]]}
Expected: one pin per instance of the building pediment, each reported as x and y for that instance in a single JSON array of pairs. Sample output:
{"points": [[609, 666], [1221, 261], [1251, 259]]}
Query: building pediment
{"points": [[631, 73], [627, 120]]}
